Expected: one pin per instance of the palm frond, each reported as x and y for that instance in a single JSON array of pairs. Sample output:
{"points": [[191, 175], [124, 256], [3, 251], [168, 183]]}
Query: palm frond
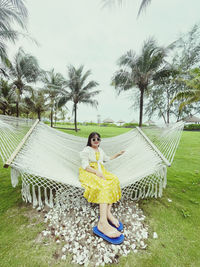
{"points": [[143, 5], [14, 10], [63, 100], [129, 59], [122, 80], [93, 103], [90, 86]]}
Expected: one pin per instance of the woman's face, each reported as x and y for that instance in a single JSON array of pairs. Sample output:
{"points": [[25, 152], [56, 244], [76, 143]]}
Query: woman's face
{"points": [[95, 141]]}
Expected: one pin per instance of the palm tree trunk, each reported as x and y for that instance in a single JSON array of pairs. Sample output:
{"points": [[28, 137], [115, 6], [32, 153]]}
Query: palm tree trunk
{"points": [[168, 116], [164, 118], [39, 117], [75, 122], [141, 105], [51, 117], [168, 107], [179, 113], [162, 115], [17, 108], [18, 90]]}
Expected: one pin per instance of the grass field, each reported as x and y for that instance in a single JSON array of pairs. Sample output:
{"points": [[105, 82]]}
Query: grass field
{"points": [[104, 131], [177, 223]]}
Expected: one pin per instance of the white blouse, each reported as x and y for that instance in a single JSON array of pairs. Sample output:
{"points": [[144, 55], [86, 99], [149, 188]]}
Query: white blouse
{"points": [[88, 155]]}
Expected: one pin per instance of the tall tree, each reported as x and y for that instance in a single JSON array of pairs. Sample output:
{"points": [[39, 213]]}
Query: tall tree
{"points": [[185, 55], [192, 93], [138, 70], [7, 98], [54, 82], [160, 94], [11, 11], [23, 70], [37, 102], [79, 90], [186, 50]]}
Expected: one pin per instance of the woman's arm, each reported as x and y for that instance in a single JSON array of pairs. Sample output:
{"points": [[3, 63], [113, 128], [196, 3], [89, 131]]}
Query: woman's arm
{"points": [[117, 155], [97, 172]]}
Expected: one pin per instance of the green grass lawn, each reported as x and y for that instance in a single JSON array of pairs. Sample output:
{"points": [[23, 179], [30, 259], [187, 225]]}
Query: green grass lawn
{"points": [[177, 223], [86, 130]]}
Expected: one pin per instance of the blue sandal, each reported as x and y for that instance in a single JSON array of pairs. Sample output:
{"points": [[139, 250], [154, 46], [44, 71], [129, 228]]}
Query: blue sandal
{"points": [[114, 241], [120, 228]]}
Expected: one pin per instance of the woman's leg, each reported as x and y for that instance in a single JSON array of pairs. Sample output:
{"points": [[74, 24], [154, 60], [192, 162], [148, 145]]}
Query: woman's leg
{"points": [[103, 224], [110, 216]]}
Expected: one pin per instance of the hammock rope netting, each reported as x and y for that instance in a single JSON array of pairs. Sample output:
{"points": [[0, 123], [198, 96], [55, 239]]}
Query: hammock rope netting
{"points": [[48, 160]]}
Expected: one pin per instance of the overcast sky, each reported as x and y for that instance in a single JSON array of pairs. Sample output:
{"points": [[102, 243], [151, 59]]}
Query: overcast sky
{"points": [[82, 32]]}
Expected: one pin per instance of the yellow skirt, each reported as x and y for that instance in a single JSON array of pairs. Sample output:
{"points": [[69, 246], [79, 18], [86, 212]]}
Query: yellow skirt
{"points": [[98, 190]]}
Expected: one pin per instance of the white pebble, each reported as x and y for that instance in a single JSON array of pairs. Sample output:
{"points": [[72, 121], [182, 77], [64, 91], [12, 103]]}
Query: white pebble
{"points": [[63, 249], [107, 259], [63, 257], [133, 246], [155, 235]]}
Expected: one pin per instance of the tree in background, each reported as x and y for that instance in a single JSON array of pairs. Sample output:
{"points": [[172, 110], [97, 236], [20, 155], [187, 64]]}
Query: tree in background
{"points": [[11, 11], [160, 94], [23, 70], [192, 93], [139, 70], [7, 98], [62, 112], [78, 90], [53, 83], [37, 103], [170, 81]]}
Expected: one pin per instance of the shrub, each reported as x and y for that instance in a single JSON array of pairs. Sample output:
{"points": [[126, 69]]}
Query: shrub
{"points": [[192, 127], [91, 123], [108, 125], [130, 125]]}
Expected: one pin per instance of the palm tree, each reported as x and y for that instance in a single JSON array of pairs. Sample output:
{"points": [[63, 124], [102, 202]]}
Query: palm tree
{"points": [[23, 70], [37, 102], [192, 93], [54, 83], [6, 97], [142, 7], [139, 70], [11, 11], [63, 112], [78, 90]]}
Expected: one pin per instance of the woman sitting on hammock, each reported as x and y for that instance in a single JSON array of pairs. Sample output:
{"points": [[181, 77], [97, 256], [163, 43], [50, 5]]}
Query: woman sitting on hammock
{"points": [[101, 187]]}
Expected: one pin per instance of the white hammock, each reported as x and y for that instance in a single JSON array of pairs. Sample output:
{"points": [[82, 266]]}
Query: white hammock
{"points": [[48, 160]]}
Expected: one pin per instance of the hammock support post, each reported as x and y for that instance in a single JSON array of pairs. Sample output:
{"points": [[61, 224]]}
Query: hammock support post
{"points": [[14, 154], [154, 147]]}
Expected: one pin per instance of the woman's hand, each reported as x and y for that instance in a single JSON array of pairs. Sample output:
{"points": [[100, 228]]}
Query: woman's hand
{"points": [[97, 172], [100, 174], [120, 153]]}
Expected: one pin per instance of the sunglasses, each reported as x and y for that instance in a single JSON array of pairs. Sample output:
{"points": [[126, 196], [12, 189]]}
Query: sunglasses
{"points": [[96, 139]]}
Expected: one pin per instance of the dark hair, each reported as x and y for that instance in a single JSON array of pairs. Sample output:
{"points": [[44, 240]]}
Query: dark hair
{"points": [[91, 136]]}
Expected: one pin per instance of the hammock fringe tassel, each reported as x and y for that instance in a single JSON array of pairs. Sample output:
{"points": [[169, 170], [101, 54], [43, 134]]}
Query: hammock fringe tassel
{"points": [[42, 195], [151, 186]]}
